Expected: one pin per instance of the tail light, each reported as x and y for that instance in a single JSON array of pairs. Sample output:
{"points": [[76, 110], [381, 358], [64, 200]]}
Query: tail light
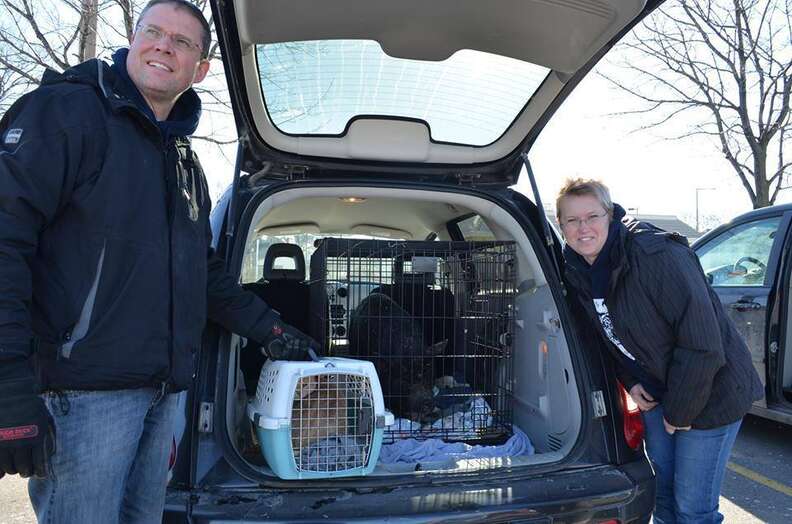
{"points": [[633, 424]]}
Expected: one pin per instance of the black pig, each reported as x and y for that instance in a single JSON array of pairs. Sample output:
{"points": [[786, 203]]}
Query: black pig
{"points": [[383, 332]]}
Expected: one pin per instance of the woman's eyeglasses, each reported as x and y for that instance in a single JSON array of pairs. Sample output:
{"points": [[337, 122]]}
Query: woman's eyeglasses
{"points": [[575, 223]]}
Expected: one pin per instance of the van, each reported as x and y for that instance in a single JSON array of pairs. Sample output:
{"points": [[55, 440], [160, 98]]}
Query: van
{"points": [[378, 143]]}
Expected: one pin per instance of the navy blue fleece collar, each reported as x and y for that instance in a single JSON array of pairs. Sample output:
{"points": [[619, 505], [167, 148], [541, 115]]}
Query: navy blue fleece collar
{"points": [[183, 118]]}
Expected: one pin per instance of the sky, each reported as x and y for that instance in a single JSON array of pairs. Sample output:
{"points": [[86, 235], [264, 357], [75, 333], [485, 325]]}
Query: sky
{"points": [[643, 168]]}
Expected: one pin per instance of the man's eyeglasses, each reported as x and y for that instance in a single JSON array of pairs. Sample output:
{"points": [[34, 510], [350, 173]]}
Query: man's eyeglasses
{"points": [[573, 224], [180, 42]]}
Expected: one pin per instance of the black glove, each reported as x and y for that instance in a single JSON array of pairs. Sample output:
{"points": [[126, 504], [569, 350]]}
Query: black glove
{"points": [[27, 434], [286, 342]]}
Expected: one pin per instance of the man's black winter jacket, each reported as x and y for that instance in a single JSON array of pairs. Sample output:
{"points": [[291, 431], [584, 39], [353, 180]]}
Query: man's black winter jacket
{"points": [[104, 241], [665, 313]]}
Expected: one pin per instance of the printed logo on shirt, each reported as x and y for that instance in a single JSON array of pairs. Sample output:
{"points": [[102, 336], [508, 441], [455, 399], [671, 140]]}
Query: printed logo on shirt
{"points": [[13, 136], [607, 326]]}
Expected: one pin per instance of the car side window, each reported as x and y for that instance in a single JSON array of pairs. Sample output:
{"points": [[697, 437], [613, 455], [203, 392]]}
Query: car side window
{"points": [[474, 229], [739, 256]]}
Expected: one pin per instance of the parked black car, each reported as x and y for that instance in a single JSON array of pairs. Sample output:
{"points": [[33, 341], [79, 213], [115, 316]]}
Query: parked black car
{"points": [[396, 123], [748, 263]]}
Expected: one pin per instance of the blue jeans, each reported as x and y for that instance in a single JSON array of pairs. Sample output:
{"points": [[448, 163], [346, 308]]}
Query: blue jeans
{"points": [[689, 467], [111, 458]]}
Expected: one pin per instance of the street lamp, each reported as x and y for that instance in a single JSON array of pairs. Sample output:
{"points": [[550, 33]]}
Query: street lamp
{"points": [[697, 201]]}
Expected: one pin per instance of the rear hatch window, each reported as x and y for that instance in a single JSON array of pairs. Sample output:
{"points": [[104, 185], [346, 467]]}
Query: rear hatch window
{"points": [[318, 87]]}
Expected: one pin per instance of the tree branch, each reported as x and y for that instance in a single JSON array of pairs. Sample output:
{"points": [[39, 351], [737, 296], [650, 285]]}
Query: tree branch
{"points": [[27, 14], [215, 141]]}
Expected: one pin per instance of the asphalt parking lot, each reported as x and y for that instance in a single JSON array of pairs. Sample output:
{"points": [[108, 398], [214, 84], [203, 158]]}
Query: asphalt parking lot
{"points": [[14, 501], [757, 488], [758, 484]]}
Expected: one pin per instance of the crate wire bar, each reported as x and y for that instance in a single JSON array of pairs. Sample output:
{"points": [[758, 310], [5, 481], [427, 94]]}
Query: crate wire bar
{"points": [[436, 318]]}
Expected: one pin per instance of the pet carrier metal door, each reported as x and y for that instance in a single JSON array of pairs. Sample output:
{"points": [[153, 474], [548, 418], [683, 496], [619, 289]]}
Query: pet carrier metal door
{"points": [[332, 422]]}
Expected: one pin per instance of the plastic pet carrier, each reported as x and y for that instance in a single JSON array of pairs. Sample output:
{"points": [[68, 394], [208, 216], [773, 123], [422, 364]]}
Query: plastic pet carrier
{"points": [[319, 419], [436, 320]]}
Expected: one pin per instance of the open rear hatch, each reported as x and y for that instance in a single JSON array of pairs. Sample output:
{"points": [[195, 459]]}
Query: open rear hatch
{"points": [[410, 87]]}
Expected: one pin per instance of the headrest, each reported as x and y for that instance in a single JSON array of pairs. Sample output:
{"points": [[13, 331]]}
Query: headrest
{"points": [[281, 251], [422, 271]]}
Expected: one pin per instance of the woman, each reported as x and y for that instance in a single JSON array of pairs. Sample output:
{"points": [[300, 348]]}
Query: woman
{"points": [[676, 352]]}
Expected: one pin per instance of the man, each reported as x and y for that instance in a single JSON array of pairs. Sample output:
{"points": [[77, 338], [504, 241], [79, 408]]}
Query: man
{"points": [[105, 282]]}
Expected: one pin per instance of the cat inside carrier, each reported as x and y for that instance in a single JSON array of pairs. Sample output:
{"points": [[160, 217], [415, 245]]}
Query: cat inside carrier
{"points": [[435, 318]]}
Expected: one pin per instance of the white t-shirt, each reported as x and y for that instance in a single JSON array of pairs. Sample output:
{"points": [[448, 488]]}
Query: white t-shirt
{"points": [[607, 325]]}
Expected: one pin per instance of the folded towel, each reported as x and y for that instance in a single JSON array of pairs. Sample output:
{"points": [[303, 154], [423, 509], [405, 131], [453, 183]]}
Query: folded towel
{"points": [[334, 454], [436, 450]]}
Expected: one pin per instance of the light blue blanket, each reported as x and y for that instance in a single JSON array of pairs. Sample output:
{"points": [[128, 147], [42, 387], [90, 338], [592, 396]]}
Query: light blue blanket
{"points": [[334, 454], [435, 450]]}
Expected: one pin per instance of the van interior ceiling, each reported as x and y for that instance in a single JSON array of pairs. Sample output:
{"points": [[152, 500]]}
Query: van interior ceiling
{"points": [[489, 356]]}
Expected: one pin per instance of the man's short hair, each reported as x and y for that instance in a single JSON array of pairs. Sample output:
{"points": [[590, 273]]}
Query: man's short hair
{"points": [[191, 8], [581, 187]]}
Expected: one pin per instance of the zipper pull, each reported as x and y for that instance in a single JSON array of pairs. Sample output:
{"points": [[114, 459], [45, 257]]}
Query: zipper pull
{"points": [[65, 338]]}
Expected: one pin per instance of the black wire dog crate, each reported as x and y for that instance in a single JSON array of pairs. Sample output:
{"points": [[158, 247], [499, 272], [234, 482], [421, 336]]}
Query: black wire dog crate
{"points": [[435, 318]]}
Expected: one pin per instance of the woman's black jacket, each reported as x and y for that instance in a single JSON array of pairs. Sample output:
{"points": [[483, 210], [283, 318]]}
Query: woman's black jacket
{"points": [[666, 314]]}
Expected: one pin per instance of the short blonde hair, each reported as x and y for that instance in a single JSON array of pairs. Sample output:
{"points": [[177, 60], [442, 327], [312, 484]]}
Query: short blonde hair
{"points": [[581, 187]]}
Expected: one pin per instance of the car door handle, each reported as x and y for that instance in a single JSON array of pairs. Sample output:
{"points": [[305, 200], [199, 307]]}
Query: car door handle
{"points": [[745, 305]]}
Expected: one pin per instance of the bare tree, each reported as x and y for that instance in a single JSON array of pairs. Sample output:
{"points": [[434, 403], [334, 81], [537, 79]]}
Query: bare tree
{"points": [[87, 29], [58, 34], [128, 10], [55, 34], [11, 86], [725, 66]]}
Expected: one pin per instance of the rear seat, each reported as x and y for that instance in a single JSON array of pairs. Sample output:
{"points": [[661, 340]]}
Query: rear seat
{"points": [[284, 290]]}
